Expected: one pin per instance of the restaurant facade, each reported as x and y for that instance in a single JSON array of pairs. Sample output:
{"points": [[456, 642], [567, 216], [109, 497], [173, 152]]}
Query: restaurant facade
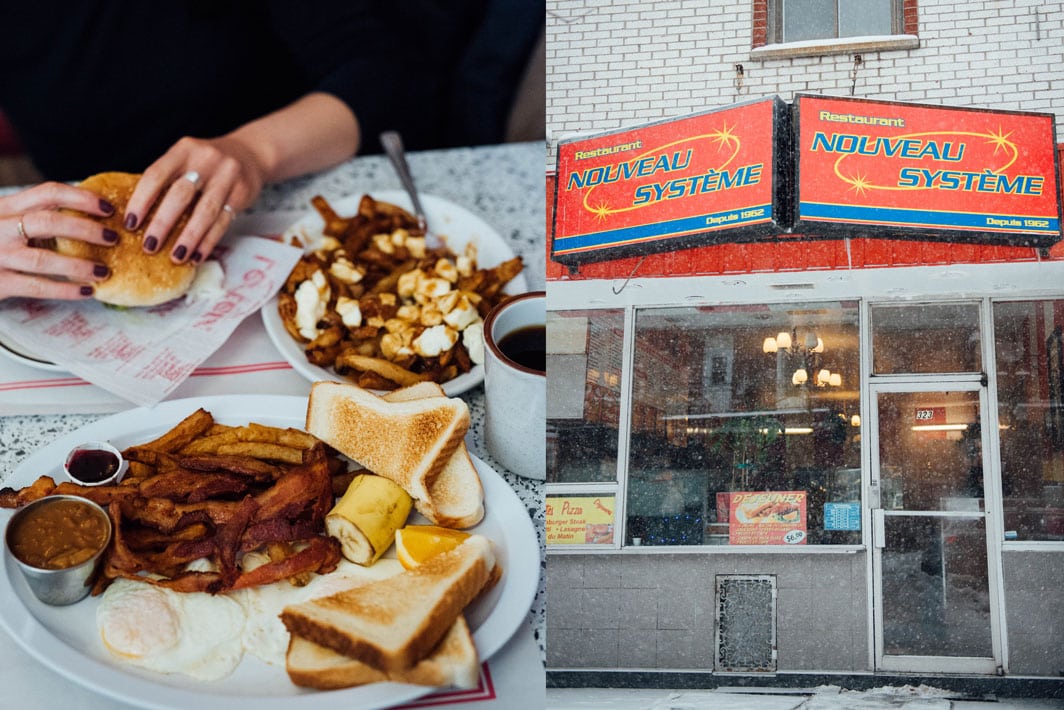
{"points": [[806, 390]]}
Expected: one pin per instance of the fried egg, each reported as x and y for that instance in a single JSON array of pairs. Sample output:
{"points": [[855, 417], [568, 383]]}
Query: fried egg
{"points": [[191, 633], [265, 637]]}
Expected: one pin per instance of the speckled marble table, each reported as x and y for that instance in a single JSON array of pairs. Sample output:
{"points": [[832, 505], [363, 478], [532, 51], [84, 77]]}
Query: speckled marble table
{"points": [[502, 184]]}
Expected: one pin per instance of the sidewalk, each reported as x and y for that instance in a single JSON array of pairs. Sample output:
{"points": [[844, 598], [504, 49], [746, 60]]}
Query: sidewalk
{"points": [[819, 698]]}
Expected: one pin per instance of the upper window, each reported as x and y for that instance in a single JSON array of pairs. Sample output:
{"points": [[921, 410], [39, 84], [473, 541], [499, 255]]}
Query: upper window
{"points": [[926, 338], [583, 395], [799, 20], [807, 27]]}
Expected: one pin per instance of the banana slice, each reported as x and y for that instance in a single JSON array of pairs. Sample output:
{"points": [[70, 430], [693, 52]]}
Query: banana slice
{"points": [[365, 519]]}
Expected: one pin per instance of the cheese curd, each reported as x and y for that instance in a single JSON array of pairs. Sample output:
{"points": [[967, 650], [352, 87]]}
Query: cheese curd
{"points": [[350, 312], [473, 340], [345, 271], [312, 297], [435, 340]]}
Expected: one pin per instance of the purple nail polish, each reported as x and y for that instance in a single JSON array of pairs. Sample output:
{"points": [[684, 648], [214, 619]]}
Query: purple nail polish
{"points": [[180, 252], [151, 244], [100, 270], [196, 257], [106, 207], [86, 290], [110, 236], [131, 221]]}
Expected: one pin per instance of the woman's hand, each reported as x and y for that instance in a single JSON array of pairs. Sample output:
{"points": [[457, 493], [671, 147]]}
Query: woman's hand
{"points": [[219, 177], [216, 177], [35, 272]]}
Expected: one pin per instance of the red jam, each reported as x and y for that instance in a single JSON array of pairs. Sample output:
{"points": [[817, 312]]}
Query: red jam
{"points": [[92, 465]]}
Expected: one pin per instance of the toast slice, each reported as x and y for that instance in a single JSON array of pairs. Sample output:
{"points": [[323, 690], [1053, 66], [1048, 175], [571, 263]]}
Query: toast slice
{"points": [[456, 496], [454, 662], [408, 442], [393, 623]]}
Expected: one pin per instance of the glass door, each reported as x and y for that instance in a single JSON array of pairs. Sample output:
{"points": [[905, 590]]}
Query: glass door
{"points": [[935, 594]]}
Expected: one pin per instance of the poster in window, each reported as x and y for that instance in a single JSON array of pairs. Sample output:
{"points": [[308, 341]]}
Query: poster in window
{"points": [[580, 520], [767, 518]]}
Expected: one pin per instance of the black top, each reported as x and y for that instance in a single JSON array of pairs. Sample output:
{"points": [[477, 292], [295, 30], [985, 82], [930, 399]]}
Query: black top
{"points": [[101, 85]]}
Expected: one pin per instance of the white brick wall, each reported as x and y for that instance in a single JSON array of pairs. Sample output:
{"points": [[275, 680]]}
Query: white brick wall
{"points": [[617, 63]]}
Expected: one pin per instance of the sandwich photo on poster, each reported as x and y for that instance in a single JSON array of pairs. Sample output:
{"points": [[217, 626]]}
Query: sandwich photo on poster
{"points": [[700, 179], [767, 518], [896, 170]]}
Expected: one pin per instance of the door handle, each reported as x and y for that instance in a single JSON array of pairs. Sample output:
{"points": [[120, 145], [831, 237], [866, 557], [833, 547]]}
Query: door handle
{"points": [[879, 528]]}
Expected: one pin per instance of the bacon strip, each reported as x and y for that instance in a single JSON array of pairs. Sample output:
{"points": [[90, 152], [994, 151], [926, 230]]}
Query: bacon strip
{"points": [[321, 555], [192, 486]]}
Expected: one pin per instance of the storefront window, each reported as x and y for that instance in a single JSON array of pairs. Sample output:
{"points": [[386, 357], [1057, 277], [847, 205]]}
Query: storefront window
{"points": [[583, 395], [925, 338], [745, 426], [1029, 349]]}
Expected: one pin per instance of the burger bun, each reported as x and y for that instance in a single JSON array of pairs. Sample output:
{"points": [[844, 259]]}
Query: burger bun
{"points": [[137, 278]]}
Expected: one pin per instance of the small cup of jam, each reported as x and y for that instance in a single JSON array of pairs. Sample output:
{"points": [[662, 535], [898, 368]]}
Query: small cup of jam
{"points": [[95, 463], [57, 542]]}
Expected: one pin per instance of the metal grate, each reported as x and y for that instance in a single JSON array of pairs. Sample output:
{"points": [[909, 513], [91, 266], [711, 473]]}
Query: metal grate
{"points": [[746, 623]]}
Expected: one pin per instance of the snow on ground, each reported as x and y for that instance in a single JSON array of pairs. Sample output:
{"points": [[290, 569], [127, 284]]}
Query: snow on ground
{"points": [[821, 698]]}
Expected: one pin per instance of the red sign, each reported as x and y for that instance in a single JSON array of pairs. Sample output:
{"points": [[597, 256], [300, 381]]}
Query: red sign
{"points": [[874, 168], [669, 185], [767, 518]]}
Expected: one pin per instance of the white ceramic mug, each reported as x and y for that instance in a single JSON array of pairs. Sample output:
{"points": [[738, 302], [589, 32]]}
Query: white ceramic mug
{"points": [[515, 396]]}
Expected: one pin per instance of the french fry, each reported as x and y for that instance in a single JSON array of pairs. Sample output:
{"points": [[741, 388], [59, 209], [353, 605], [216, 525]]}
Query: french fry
{"points": [[185, 431], [259, 450], [380, 366]]}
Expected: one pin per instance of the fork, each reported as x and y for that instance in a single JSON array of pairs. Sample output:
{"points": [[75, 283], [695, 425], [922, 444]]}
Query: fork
{"points": [[393, 146]]}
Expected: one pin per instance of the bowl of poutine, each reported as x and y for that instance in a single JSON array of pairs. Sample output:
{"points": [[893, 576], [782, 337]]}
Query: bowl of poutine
{"points": [[371, 302]]}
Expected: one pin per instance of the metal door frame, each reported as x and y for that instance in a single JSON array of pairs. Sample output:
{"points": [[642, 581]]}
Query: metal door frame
{"points": [[974, 382]]}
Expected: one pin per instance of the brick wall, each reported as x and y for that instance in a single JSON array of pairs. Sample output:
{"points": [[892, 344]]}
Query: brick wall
{"points": [[616, 63]]}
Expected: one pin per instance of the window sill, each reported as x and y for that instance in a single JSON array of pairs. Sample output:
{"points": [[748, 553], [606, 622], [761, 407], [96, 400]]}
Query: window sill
{"points": [[847, 45], [704, 549]]}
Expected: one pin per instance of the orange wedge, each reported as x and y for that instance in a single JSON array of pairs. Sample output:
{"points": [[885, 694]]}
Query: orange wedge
{"points": [[416, 543]]}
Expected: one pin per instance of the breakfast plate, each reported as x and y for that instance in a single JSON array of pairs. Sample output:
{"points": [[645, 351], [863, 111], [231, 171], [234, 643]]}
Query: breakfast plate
{"points": [[10, 349], [66, 639], [456, 225]]}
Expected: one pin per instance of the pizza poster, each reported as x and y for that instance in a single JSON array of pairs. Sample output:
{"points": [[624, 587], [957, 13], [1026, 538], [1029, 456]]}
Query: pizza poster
{"points": [[580, 520], [677, 183], [876, 168], [767, 518]]}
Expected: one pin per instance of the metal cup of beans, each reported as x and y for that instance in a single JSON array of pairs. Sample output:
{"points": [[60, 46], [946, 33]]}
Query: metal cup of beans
{"points": [[57, 542]]}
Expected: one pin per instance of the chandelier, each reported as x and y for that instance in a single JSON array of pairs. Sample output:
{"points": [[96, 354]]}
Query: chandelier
{"points": [[806, 352]]}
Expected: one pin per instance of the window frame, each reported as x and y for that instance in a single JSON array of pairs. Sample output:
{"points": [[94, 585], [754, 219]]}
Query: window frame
{"points": [[869, 286], [766, 42]]}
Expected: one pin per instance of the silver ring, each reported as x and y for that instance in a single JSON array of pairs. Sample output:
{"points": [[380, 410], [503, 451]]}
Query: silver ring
{"points": [[229, 208], [22, 228], [193, 177]]}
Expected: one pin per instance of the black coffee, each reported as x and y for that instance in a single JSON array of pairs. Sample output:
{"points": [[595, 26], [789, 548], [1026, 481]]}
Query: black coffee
{"points": [[527, 347]]}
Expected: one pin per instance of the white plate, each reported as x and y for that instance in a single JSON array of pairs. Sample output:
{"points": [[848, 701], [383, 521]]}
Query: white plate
{"points": [[14, 351], [455, 224], [66, 639]]}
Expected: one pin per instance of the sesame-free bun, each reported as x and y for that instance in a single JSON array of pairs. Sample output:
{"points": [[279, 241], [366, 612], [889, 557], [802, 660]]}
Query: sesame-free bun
{"points": [[137, 277]]}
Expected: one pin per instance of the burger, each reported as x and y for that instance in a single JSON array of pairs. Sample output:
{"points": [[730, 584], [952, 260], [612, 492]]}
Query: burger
{"points": [[137, 277]]}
